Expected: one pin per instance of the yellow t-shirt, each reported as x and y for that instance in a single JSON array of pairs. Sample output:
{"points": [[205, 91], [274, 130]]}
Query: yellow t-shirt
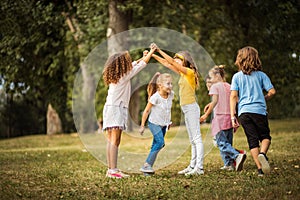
{"points": [[187, 86]]}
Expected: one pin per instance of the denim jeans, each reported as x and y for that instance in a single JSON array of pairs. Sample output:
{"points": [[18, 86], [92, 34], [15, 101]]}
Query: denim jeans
{"points": [[192, 116], [158, 141], [224, 142]]}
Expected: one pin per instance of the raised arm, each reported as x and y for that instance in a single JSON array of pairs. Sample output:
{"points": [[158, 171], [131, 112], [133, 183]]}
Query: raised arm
{"points": [[170, 60], [146, 55], [165, 63]]}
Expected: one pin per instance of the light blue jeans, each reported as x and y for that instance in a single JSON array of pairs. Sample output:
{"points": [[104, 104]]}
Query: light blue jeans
{"points": [[158, 141], [192, 116], [224, 141]]}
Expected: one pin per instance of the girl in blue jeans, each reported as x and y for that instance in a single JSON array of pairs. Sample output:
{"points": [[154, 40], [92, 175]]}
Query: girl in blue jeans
{"points": [[222, 128], [159, 106]]}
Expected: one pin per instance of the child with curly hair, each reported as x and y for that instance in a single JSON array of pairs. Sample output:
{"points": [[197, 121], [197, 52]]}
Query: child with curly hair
{"points": [[117, 73]]}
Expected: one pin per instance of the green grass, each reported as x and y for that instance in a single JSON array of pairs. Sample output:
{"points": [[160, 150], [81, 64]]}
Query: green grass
{"points": [[58, 167]]}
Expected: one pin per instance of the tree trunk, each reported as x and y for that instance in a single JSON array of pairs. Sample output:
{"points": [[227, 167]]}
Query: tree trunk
{"points": [[53, 121], [87, 124], [119, 22]]}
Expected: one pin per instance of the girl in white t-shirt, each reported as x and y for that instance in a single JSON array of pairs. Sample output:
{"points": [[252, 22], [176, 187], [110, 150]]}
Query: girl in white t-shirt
{"points": [[159, 106], [222, 128], [117, 73]]}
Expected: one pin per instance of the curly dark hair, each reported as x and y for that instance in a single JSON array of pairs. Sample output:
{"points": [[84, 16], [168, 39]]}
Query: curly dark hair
{"points": [[189, 63], [116, 66], [247, 60]]}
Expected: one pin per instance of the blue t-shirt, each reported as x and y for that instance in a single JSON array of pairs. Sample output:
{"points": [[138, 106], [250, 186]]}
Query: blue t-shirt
{"points": [[250, 90]]}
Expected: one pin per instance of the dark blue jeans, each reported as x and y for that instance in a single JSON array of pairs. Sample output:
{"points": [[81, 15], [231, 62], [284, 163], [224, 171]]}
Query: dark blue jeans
{"points": [[158, 141]]}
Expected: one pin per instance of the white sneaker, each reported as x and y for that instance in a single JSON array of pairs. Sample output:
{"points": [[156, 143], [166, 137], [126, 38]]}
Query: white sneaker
{"points": [[186, 170], [263, 159], [227, 167], [239, 161], [195, 171]]}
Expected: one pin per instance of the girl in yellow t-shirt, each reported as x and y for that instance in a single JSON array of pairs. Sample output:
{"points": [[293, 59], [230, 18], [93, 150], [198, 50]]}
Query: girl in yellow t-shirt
{"points": [[183, 64]]}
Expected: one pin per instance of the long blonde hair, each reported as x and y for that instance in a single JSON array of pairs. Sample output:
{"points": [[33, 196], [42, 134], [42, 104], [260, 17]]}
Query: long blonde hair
{"points": [[156, 79], [247, 60]]}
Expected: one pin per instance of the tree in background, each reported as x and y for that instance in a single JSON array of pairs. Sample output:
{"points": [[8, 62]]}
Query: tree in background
{"points": [[44, 43]]}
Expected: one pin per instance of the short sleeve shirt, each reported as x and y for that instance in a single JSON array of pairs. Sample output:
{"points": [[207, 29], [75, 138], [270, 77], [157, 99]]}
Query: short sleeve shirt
{"points": [[250, 90], [160, 113], [222, 89], [187, 86]]}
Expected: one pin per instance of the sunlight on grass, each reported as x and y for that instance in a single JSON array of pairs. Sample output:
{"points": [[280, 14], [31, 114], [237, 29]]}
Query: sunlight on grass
{"points": [[57, 167]]}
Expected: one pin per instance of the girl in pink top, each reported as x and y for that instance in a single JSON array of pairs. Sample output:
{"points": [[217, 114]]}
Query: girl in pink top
{"points": [[221, 124]]}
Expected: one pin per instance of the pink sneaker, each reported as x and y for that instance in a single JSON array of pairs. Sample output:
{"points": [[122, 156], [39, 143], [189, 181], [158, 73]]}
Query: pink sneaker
{"points": [[117, 174]]}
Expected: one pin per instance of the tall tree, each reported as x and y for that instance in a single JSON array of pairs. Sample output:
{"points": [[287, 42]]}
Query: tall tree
{"points": [[31, 55]]}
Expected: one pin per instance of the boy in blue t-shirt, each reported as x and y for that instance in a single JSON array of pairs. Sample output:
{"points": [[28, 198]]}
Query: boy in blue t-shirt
{"points": [[247, 88]]}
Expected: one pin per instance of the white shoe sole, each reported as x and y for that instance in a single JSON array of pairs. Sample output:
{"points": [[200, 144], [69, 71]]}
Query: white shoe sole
{"points": [[264, 164], [239, 166]]}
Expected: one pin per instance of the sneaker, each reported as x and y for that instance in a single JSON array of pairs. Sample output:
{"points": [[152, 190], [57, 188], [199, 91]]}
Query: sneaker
{"points": [[239, 161], [227, 167], [196, 171], [147, 169], [186, 170], [240, 151], [260, 172], [116, 174], [263, 159]]}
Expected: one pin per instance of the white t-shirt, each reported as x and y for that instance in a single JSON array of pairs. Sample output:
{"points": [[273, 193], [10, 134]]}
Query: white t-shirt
{"points": [[161, 110], [120, 92]]}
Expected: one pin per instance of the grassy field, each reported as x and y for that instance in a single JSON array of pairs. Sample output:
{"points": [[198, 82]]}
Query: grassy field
{"points": [[58, 167]]}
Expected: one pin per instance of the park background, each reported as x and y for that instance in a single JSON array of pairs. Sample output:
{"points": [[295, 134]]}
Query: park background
{"points": [[44, 44]]}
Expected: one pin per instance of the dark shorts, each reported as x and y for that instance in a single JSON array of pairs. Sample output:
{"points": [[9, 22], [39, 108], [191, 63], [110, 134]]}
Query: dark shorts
{"points": [[256, 128]]}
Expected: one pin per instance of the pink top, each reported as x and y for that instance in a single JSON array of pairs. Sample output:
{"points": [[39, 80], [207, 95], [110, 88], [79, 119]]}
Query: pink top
{"points": [[222, 118]]}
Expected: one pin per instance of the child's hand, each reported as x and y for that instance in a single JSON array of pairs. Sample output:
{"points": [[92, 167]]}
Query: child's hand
{"points": [[235, 123], [169, 126], [141, 130], [207, 107], [154, 46], [202, 119], [145, 53]]}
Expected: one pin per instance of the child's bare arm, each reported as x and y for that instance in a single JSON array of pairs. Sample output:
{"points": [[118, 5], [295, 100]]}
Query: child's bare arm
{"points": [[164, 62], [175, 66], [270, 94], [210, 108], [144, 117], [233, 100]]}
